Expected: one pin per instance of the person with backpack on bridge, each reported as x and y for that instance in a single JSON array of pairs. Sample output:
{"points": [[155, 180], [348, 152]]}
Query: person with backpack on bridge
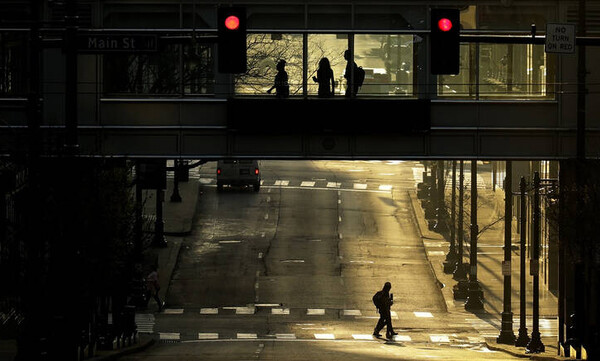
{"points": [[358, 77], [384, 300]]}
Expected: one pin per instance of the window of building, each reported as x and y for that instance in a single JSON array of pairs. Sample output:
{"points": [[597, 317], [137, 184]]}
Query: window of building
{"points": [[331, 47], [388, 61], [13, 56], [264, 52], [501, 71]]}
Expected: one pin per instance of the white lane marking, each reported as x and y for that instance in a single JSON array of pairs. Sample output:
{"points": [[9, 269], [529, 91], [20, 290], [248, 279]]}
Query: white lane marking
{"points": [[402, 338], [362, 337], [436, 253], [268, 199], [266, 216], [339, 218], [267, 305], [206, 180], [324, 336], [340, 236], [280, 311], [229, 242], [333, 185], [169, 335], [246, 336], [260, 255], [385, 187], [363, 262], [330, 189], [173, 311], [292, 261], [285, 336], [315, 311], [307, 184], [423, 314], [394, 314], [209, 311], [208, 336], [245, 310], [351, 313], [439, 338], [282, 182], [361, 186]]}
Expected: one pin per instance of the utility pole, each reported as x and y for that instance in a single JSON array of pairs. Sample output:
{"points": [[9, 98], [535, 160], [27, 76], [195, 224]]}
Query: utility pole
{"points": [[536, 345], [506, 334], [523, 338], [475, 295], [460, 274]]}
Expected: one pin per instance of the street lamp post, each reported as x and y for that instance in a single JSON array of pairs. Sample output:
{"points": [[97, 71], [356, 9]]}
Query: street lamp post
{"points": [[523, 338], [450, 263], [475, 294], [460, 274], [536, 345], [506, 334]]}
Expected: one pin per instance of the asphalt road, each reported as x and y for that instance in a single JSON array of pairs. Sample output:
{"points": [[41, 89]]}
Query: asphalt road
{"points": [[288, 273]]}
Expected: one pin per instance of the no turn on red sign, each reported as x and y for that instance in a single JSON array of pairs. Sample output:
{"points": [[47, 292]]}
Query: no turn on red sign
{"points": [[560, 38]]}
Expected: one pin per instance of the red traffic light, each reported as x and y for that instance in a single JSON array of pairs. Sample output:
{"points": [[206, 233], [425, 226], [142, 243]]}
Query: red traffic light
{"points": [[232, 22], [445, 24]]}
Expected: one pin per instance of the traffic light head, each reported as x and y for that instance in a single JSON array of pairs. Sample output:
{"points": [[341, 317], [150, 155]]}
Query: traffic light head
{"points": [[445, 41], [231, 47]]}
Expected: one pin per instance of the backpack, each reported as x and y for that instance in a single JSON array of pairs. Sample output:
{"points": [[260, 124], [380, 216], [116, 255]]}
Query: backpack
{"points": [[377, 299], [359, 76]]}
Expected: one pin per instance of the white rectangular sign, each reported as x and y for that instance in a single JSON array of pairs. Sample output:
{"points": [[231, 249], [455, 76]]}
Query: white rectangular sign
{"points": [[560, 38]]}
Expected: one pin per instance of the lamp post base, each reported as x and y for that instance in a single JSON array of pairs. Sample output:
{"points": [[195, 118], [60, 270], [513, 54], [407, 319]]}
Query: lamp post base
{"points": [[535, 345], [507, 336]]}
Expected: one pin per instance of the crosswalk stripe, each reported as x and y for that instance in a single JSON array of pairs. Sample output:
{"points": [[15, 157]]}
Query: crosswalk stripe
{"points": [[362, 337], [385, 187], [285, 336], [439, 338], [324, 336], [402, 338], [173, 311], [169, 336], [423, 314], [351, 313], [282, 182], [208, 336], [333, 185], [307, 184], [280, 311], [361, 186], [315, 311], [209, 311], [246, 336]]}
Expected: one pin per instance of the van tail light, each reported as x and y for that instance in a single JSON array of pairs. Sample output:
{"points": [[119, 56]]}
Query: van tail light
{"points": [[218, 171], [256, 171]]}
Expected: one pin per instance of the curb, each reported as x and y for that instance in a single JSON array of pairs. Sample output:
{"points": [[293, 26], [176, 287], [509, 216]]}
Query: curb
{"points": [[417, 220], [115, 355]]}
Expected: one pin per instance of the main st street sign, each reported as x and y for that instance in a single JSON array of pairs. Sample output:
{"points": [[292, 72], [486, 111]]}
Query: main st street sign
{"points": [[114, 43]]}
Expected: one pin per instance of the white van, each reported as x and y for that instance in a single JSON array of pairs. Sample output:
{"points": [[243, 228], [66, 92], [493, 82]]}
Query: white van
{"points": [[238, 172]]}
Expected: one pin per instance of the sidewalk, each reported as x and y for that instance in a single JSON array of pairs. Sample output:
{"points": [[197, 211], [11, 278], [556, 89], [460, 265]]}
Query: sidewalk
{"points": [[178, 218], [490, 257]]}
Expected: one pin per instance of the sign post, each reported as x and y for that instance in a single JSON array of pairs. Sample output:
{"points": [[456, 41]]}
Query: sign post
{"points": [[560, 38]]}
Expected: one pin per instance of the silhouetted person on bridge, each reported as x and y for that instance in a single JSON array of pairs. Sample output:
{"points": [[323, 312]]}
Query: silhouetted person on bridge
{"points": [[355, 82], [384, 301], [325, 79], [281, 84]]}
